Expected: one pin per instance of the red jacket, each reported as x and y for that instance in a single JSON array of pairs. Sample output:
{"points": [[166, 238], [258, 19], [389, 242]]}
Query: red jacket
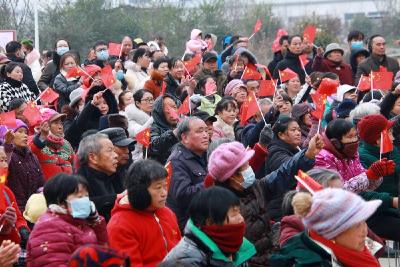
{"points": [[145, 236], [342, 70], [6, 199]]}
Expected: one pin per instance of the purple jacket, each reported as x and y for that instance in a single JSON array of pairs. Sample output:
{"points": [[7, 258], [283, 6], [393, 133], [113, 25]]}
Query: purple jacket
{"points": [[56, 236]]}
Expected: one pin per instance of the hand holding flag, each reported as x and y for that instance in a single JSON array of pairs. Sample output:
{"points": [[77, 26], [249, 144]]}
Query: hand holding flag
{"points": [[107, 76], [32, 114], [143, 137], [286, 75], [328, 86], [48, 95]]}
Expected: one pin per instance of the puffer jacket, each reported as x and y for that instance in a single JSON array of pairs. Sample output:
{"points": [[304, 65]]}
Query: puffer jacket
{"points": [[137, 75], [292, 62], [138, 120], [218, 75], [279, 152], [350, 169], [197, 249], [64, 86], [155, 83], [195, 46], [56, 236]]}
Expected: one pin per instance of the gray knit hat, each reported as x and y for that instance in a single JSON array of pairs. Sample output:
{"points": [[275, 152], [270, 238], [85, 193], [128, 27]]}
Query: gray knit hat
{"points": [[332, 47]]}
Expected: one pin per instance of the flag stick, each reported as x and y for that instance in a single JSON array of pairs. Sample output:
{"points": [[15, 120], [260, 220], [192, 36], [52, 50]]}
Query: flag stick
{"points": [[372, 86], [314, 45], [380, 148], [358, 85], [145, 153], [251, 36], [241, 77], [304, 184], [319, 125], [259, 108]]}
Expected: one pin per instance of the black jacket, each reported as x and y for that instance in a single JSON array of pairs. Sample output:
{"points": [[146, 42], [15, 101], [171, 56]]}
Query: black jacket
{"points": [[173, 89], [278, 153], [292, 62], [278, 57], [28, 78]]}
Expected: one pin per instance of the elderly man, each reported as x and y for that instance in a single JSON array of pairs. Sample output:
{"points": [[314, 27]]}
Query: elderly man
{"points": [[189, 166], [98, 164], [377, 60]]}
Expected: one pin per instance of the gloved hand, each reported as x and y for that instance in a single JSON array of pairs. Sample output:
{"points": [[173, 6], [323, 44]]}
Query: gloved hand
{"points": [[94, 215], [266, 135], [380, 168], [24, 234], [7, 221]]}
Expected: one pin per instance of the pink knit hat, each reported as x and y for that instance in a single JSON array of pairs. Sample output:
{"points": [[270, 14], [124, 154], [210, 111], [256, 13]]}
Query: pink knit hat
{"points": [[226, 159], [235, 83]]}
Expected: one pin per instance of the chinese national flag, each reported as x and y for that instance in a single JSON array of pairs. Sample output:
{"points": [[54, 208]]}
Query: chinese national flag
{"points": [[303, 60], [386, 143], [309, 34], [8, 119], [163, 88], [3, 176], [143, 137], [173, 112], [249, 108], [184, 108], [114, 49], [319, 102], [251, 73], [328, 86], [364, 84], [75, 72], [107, 76], [305, 181], [191, 64], [286, 74], [211, 88], [32, 114], [168, 168], [48, 95], [267, 88], [382, 80], [257, 26]]}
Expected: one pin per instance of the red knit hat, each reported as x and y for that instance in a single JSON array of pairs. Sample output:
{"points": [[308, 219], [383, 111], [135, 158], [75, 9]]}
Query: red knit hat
{"points": [[371, 126]]}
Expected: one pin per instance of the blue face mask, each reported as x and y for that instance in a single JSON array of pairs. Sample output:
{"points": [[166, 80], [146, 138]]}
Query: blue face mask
{"points": [[248, 178], [120, 75], [62, 50], [81, 207], [102, 55], [357, 45]]}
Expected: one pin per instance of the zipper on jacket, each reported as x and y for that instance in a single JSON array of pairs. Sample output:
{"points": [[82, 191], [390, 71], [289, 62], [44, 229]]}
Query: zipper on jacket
{"points": [[162, 231]]}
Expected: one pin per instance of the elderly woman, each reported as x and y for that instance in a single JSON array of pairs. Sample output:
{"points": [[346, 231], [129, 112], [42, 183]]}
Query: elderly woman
{"points": [[336, 231]]}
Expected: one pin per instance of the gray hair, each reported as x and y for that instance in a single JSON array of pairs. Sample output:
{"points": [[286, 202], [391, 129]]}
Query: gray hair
{"points": [[184, 126], [323, 176], [216, 143], [264, 101], [89, 144], [363, 110]]}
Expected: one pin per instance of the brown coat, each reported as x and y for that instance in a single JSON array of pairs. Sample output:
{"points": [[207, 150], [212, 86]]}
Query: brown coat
{"points": [[154, 85]]}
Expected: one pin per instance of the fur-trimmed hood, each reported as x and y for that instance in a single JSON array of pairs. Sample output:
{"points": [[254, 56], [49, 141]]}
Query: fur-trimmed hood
{"points": [[135, 114]]}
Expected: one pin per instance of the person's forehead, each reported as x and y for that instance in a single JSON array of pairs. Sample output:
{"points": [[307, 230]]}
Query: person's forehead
{"points": [[196, 123], [127, 40], [379, 40]]}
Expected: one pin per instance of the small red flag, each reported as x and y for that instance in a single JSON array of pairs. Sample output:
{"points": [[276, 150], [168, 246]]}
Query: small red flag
{"points": [[163, 88], [286, 74], [328, 86], [32, 114], [305, 181], [303, 60], [364, 84], [3, 176], [168, 167], [249, 108], [143, 137], [211, 87], [8, 119], [386, 142], [382, 80], [173, 112], [107, 76], [309, 34], [275, 44], [114, 49], [75, 72], [184, 108], [48, 95], [192, 64], [257, 26], [267, 88], [319, 102], [251, 73]]}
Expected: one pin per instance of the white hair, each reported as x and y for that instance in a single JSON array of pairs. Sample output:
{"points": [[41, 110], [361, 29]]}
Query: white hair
{"points": [[363, 110]]}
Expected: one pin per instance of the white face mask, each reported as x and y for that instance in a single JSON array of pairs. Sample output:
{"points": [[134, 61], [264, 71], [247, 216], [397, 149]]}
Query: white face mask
{"points": [[248, 177]]}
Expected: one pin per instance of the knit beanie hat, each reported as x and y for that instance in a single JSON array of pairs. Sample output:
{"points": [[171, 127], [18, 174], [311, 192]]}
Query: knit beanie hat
{"points": [[235, 83], [344, 108], [226, 159], [19, 124], [98, 256], [332, 211], [371, 126]]}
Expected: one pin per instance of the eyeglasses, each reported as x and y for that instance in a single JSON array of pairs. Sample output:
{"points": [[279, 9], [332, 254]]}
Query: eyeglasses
{"points": [[147, 100]]}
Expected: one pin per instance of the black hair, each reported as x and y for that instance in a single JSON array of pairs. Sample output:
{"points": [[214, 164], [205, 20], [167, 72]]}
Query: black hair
{"points": [[329, 75], [291, 37], [138, 95], [12, 47], [61, 39], [57, 189], [16, 103], [98, 43], [283, 38], [139, 177], [49, 54], [371, 39], [355, 34], [212, 204], [140, 52], [120, 100], [338, 128], [286, 98], [225, 103], [200, 86], [67, 55], [172, 62], [287, 208], [282, 124], [158, 62], [8, 68]]}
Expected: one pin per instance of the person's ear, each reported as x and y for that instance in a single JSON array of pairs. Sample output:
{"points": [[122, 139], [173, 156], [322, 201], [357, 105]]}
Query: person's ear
{"points": [[93, 158]]}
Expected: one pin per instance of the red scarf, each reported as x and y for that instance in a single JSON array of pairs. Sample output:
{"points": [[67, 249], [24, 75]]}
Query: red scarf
{"points": [[228, 237], [348, 257]]}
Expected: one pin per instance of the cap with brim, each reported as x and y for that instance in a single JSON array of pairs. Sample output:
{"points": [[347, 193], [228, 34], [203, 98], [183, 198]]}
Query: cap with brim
{"points": [[247, 156], [333, 47], [208, 56], [118, 137], [75, 96], [61, 116], [205, 116]]}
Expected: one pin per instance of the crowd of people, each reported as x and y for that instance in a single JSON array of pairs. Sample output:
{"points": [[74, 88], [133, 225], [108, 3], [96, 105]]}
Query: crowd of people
{"points": [[142, 159]]}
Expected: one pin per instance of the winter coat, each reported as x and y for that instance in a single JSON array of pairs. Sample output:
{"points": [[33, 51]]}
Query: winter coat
{"points": [[155, 84], [197, 249], [343, 70], [188, 172], [222, 130], [10, 90], [387, 105], [353, 58], [218, 75], [56, 236], [251, 133], [290, 226], [162, 137], [350, 169], [174, 89], [209, 106], [64, 86], [370, 154], [278, 57], [27, 75], [54, 159], [138, 120], [50, 71], [103, 189], [373, 63], [279, 152], [32, 61], [195, 46], [135, 73], [292, 62], [146, 237], [25, 175]]}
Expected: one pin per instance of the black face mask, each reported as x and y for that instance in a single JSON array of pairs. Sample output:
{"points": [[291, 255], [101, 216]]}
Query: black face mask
{"points": [[348, 149]]}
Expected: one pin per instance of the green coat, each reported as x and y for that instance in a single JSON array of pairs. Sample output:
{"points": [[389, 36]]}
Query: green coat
{"points": [[369, 154]]}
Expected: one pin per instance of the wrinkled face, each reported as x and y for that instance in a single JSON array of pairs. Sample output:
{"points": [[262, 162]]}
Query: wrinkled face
{"points": [[335, 56], [350, 137], [146, 103], [163, 69], [296, 46], [197, 138], [122, 154], [69, 63], [16, 74], [396, 107], [292, 135], [169, 104], [354, 237], [240, 94], [126, 45], [379, 46], [233, 216], [294, 85], [21, 137], [106, 160], [158, 192], [57, 128], [210, 64], [229, 115], [178, 70], [253, 86]]}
